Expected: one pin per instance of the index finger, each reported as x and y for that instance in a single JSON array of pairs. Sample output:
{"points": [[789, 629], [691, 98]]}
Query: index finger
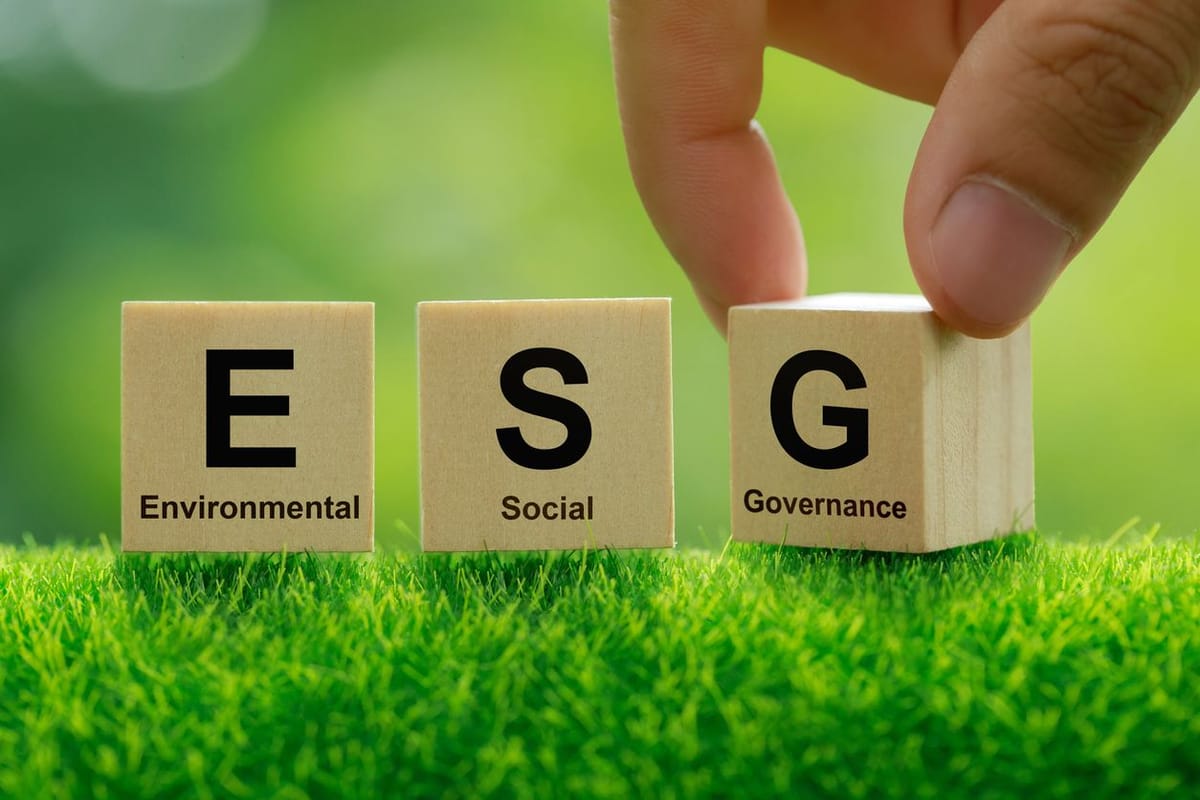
{"points": [[689, 80]]}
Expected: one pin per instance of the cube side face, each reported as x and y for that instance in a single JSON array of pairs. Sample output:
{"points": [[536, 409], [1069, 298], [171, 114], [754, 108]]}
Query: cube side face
{"points": [[983, 439], [214, 397], [545, 424], [1013, 457], [855, 433]]}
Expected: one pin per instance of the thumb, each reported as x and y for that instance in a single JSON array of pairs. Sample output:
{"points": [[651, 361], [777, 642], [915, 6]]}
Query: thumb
{"points": [[1047, 117]]}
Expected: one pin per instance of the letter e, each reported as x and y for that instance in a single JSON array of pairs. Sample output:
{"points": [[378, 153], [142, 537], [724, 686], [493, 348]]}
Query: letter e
{"points": [[222, 406]]}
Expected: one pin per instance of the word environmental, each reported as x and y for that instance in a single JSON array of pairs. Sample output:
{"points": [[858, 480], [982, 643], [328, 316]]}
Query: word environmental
{"points": [[202, 508]]}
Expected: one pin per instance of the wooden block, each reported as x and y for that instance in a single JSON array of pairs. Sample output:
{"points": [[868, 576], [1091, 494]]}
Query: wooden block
{"points": [[861, 421], [247, 426], [545, 424]]}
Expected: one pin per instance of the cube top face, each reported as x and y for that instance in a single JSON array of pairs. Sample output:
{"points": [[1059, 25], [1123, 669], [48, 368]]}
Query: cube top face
{"points": [[860, 421], [826, 424], [545, 424], [247, 426], [857, 302]]}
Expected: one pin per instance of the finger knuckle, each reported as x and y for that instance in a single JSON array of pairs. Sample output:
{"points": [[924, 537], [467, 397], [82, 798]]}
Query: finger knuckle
{"points": [[1119, 82]]}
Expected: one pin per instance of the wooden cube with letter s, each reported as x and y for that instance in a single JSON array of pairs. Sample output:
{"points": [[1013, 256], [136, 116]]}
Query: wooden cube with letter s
{"points": [[545, 424], [861, 421], [247, 426]]}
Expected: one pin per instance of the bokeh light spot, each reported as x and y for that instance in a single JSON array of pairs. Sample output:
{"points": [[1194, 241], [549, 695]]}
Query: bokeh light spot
{"points": [[159, 45], [25, 28]]}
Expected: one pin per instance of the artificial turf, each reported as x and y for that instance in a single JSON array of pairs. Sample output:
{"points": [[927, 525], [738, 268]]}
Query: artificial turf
{"points": [[1017, 667]]}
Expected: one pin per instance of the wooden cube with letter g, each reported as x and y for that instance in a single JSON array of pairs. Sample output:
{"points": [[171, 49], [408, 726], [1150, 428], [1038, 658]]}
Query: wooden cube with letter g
{"points": [[545, 424], [861, 421]]}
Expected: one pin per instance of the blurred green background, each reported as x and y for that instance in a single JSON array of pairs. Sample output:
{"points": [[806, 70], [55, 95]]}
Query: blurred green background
{"points": [[396, 152]]}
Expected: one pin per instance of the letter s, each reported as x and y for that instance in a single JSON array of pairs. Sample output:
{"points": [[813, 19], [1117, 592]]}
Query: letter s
{"points": [[854, 420], [512, 507], [531, 401]]}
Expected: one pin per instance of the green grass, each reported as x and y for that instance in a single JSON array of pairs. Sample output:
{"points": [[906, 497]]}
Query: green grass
{"points": [[1023, 666]]}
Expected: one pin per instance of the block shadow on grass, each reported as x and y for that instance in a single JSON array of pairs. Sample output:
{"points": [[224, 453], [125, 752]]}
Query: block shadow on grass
{"points": [[961, 562], [541, 577], [233, 580], [239, 580], [236, 581]]}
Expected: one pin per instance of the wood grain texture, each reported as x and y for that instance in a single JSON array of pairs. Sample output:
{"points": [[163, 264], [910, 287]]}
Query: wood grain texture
{"points": [[619, 493], [945, 420], [324, 502]]}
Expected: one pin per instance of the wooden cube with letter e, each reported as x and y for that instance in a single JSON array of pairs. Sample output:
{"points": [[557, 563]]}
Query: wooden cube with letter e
{"points": [[861, 421], [247, 426], [545, 424]]}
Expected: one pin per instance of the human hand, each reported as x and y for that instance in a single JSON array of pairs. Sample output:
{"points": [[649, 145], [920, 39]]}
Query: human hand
{"points": [[1045, 111]]}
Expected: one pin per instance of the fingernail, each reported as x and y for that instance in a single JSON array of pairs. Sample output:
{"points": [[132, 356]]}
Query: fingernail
{"points": [[996, 255]]}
